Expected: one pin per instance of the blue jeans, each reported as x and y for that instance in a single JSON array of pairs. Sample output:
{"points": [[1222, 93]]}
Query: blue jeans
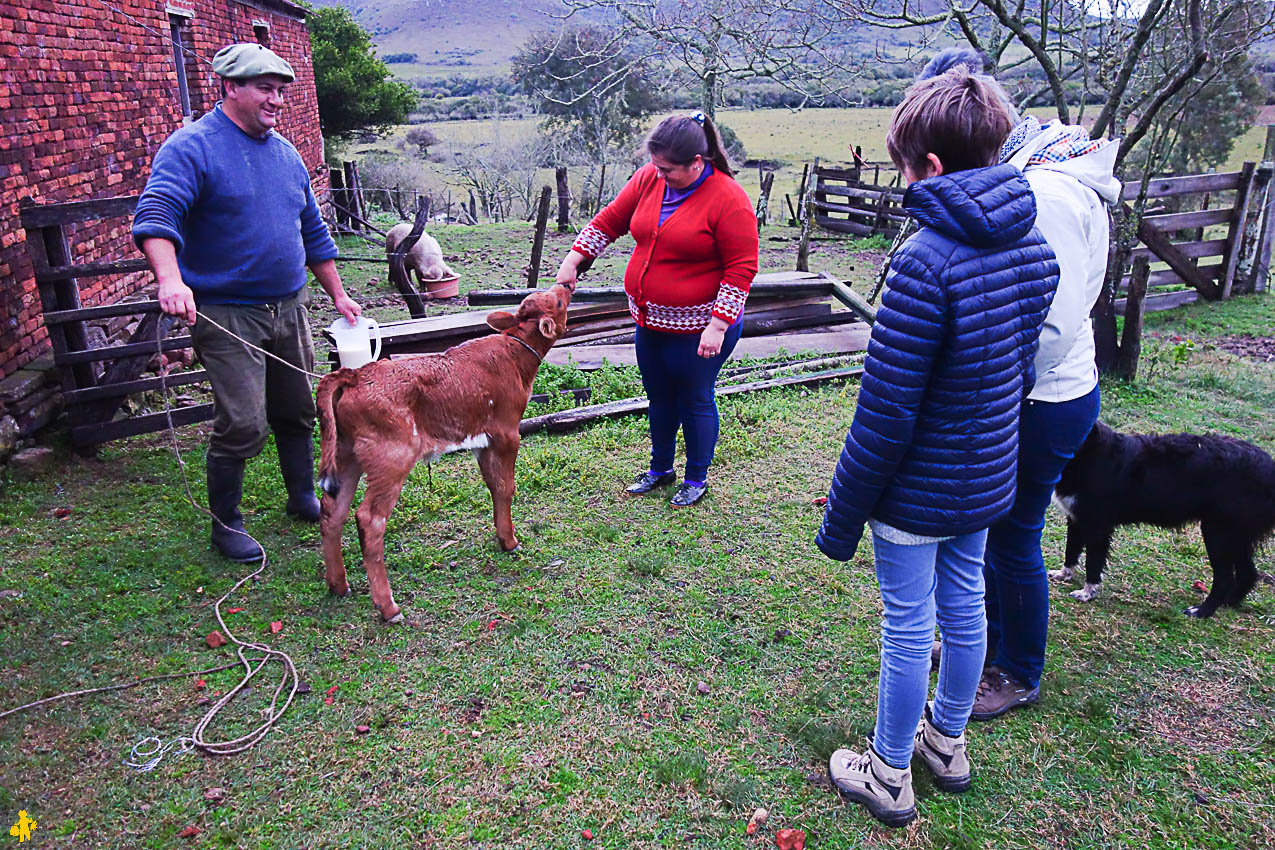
{"points": [[921, 584], [1049, 435], [681, 388]]}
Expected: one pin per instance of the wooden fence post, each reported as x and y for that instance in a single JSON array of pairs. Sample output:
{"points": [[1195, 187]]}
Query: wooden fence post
{"points": [[763, 200], [1263, 221], [564, 199], [807, 221], [336, 180], [1235, 233], [1131, 338], [353, 197], [537, 246]]}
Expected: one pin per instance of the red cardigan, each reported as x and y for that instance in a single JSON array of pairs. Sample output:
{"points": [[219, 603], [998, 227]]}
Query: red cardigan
{"points": [[698, 264]]}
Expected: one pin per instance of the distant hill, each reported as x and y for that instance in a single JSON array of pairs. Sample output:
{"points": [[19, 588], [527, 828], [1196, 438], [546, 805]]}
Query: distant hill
{"points": [[468, 37]]}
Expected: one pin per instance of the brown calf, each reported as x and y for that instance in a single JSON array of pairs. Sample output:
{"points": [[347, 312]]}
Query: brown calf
{"points": [[381, 419]]}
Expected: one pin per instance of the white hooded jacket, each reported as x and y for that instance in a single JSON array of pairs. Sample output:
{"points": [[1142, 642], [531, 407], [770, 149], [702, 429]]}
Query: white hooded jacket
{"points": [[1071, 199]]}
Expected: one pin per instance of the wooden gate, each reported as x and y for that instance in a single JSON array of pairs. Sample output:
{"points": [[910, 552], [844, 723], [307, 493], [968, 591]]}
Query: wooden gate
{"points": [[92, 402], [1202, 248], [845, 202]]}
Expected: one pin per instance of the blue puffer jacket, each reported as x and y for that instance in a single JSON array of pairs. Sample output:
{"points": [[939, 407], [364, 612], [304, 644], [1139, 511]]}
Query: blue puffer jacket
{"points": [[933, 446]]}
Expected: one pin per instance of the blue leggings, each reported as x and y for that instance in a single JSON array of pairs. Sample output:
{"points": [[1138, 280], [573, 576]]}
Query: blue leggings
{"points": [[680, 386]]}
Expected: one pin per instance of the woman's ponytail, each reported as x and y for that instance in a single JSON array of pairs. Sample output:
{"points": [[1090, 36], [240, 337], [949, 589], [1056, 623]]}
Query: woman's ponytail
{"points": [[716, 150]]}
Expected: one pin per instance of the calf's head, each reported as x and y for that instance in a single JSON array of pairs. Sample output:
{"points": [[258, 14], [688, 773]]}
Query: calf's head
{"points": [[541, 315]]}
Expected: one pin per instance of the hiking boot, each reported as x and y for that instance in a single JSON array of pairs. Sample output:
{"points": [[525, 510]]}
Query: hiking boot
{"points": [[999, 692], [943, 755], [296, 464], [688, 494], [866, 779], [645, 482], [225, 489]]}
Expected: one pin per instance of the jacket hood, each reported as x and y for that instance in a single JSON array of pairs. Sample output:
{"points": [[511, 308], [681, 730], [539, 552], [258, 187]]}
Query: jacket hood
{"points": [[1069, 150], [982, 207]]}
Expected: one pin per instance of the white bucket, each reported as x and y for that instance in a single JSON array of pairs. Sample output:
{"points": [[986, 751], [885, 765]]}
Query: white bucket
{"points": [[354, 341]]}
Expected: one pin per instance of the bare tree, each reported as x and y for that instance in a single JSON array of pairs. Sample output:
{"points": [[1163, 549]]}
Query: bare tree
{"points": [[796, 43], [1132, 58]]}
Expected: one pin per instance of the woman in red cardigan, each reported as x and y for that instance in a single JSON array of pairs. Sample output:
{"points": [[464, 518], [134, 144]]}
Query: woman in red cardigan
{"points": [[687, 281]]}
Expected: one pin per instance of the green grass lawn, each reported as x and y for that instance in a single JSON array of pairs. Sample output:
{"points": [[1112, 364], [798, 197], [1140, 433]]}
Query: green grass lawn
{"points": [[558, 689]]}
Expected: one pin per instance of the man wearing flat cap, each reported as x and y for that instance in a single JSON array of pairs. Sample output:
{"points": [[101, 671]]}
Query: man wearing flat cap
{"points": [[229, 223]]}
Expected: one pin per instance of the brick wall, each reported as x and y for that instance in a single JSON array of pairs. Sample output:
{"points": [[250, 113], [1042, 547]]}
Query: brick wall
{"points": [[87, 96]]}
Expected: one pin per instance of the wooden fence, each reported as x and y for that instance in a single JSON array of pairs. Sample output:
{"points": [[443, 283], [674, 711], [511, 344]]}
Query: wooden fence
{"points": [[92, 401], [845, 201]]}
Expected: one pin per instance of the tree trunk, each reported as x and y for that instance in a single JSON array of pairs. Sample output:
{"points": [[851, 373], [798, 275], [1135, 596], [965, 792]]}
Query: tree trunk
{"points": [[1131, 339]]}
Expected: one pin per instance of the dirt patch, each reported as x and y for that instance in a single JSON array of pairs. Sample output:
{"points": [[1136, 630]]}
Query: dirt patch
{"points": [[1203, 714], [1259, 348]]}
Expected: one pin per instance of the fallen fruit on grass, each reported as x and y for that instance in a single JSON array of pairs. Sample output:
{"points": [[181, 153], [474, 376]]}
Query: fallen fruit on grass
{"points": [[587, 834], [758, 818], [362, 730], [200, 685], [189, 832], [233, 610], [702, 687], [1200, 586], [215, 639], [822, 500], [790, 839], [276, 627]]}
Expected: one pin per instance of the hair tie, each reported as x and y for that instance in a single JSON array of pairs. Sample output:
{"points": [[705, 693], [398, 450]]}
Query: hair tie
{"points": [[698, 117]]}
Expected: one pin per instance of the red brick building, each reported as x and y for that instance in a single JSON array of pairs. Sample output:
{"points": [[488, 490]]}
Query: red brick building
{"points": [[89, 90]]}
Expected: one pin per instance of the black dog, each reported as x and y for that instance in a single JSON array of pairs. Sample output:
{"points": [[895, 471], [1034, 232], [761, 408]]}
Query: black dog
{"points": [[1226, 485]]}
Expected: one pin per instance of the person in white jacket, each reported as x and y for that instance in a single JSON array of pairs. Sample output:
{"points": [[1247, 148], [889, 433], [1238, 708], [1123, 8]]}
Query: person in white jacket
{"points": [[1072, 178]]}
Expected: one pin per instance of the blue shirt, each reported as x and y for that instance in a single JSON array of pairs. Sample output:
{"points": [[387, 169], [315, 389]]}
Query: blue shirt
{"points": [[238, 208], [673, 197]]}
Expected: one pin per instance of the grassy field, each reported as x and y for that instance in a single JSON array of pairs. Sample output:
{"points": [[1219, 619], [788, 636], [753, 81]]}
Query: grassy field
{"points": [[785, 138], [646, 674]]}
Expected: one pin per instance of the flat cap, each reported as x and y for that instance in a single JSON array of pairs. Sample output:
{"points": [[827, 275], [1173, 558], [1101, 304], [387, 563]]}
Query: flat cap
{"points": [[243, 61]]}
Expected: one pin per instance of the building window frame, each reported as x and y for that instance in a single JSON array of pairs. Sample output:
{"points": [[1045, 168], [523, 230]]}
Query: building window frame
{"points": [[179, 19]]}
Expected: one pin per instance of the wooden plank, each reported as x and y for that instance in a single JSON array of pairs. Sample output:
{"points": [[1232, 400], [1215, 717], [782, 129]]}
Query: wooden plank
{"points": [[893, 193], [1236, 234], [841, 225], [828, 172], [56, 273], [1159, 243], [1166, 187], [569, 419], [142, 385], [1168, 277], [1162, 301], [1169, 222], [93, 355], [101, 432], [105, 311], [46, 215], [153, 327], [846, 339], [1194, 250], [856, 302], [861, 212]]}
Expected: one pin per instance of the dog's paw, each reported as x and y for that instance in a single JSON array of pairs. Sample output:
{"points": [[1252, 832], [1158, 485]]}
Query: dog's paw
{"points": [[1066, 574], [1087, 593], [1195, 613]]}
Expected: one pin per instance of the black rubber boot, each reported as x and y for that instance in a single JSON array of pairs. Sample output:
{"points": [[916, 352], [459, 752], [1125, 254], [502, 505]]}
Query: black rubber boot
{"points": [[225, 489], [296, 463]]}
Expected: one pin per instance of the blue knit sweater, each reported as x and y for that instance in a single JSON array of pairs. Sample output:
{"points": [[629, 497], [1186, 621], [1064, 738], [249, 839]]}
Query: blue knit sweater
{"points": [[933, 446], [239, 209]]}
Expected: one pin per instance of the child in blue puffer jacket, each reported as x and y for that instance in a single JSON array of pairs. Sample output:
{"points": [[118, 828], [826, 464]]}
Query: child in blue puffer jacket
{"points": [[929, 463]]}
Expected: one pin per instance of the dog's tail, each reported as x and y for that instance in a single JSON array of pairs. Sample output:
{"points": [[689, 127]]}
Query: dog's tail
{"points": [[329, 393]]}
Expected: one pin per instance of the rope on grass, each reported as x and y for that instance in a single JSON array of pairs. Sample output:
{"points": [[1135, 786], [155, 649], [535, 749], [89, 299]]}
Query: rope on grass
{"points": [[148, 752]]}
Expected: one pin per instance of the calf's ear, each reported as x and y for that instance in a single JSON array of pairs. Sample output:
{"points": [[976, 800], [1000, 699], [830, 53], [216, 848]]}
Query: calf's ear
{"points": [[548, 327], [501, 321]]}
